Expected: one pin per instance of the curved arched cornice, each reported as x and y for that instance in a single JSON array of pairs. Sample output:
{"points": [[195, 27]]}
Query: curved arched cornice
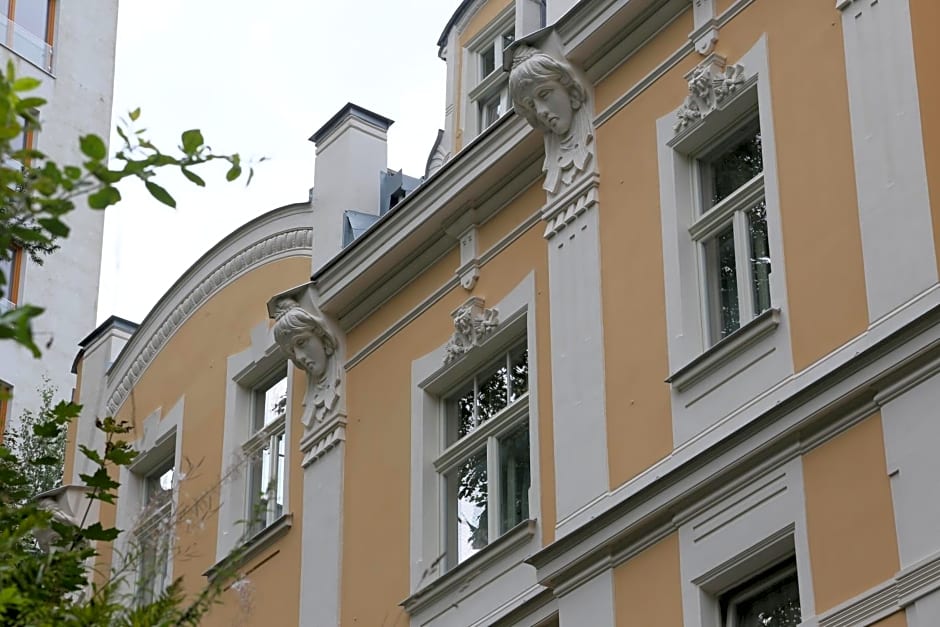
{"points": [[281, 233]]}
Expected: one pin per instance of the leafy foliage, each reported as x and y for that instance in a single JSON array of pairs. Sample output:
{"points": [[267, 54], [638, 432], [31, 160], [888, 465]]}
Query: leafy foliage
{"points": [[37, 194], [44, 572]]}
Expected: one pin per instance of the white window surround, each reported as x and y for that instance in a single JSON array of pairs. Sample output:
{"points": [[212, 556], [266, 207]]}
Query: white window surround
{"points": [[479, 90], [246, 371], [431, 380], [754, 524], [711, 380], [158, 443]]}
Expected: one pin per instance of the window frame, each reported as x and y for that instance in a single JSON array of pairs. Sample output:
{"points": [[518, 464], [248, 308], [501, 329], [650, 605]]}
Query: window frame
{"points": [[11, 28], [709, 222], [482, 91], [274, 435], [11, 293], [152, 525], [485, 437], [731, 599], [430, 582]]}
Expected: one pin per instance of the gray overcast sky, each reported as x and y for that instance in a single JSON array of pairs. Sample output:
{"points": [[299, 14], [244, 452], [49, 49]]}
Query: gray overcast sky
{"points": [[257, 78]]}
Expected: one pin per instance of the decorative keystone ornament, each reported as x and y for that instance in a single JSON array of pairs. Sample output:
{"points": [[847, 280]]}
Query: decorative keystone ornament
{"points": [[552, 97], [710, 83], [472, 325]]}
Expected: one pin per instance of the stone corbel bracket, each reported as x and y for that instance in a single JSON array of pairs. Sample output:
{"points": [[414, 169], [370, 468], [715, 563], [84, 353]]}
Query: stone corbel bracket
{"points": [[705, 35], [555, 98], [464, 229], [473, 324], [710, 83], [316, 345]]}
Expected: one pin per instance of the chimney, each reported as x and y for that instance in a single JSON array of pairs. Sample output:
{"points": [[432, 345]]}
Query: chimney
{"points": [[351, 155]]}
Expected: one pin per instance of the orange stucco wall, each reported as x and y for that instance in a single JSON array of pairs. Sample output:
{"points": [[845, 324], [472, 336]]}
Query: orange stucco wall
{"points": [[376, 517], [895, 620], [849, 514], [925, 15], [192, 367], [647, 588]]}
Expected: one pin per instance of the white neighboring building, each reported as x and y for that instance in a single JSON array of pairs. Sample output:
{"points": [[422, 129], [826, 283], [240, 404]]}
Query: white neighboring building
{"points": [[69, 45]]}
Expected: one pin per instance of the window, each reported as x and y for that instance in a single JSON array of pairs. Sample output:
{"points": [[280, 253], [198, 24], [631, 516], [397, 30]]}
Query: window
{"points": [[264, 451], [730, 229], [489, 98], [154, 534], [10, 267], [485, 466], [29, 27], [6, 394], [771, 599]]}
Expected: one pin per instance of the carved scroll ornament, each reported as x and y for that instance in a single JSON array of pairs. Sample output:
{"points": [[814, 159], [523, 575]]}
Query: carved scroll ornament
{"points": [[310, 344], [472, 325], [550, 95], [710, 84]]}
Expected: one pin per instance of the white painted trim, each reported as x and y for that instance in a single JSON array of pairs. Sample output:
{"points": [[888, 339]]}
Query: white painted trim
{"points": [[887, 598], [888, 148], [796, 417], [276, 235], [245, 371], [412, 315], [430, 379]]}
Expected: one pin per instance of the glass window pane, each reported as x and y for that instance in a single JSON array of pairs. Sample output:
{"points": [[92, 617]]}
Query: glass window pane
{"points": [[487, 62], [519, 374], [271, 403], [508, 38], [279, 480], [490, 112], [33, 15], [722, 284], [733, 165], [493, 394], [159, 487], [760, 256], [467, 497], [460, 412], [776, 606], [514, 478], [256, 500]]}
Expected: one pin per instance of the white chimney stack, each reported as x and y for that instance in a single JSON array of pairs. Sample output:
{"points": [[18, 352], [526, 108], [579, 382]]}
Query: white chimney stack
{"points": [[351, 154]]}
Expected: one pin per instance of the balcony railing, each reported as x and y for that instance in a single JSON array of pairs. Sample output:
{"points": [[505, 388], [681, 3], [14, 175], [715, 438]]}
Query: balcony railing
{"points": [[26, 44]]}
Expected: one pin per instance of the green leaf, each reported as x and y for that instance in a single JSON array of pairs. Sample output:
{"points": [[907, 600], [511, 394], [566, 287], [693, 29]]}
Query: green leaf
{"points": [[192, 141], [100, 480], [66, 410], [26, 83], [133, 115], [45, 460], [72, 172], [98, 533], [46, 430], [31, 103], [91, 454], [104, 197], [160, 194], [93, 147], [192, 176], [233, 173], [55, 226]]}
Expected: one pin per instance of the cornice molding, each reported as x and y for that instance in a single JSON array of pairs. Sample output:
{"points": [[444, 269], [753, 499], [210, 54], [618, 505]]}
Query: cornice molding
{"points": [[178, 305], [818, 409]]}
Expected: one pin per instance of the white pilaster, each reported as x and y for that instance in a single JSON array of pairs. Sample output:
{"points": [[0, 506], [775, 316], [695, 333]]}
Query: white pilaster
{"points": [[887, 139], [591, 603]]}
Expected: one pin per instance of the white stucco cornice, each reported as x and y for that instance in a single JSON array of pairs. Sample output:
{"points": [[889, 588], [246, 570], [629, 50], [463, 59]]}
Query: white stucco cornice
{"points": [[281, 233], [598, 35]]}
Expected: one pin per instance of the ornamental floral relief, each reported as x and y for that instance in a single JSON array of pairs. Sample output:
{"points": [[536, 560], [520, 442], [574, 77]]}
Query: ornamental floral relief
{"points": [[472, 325], [710, 84]]}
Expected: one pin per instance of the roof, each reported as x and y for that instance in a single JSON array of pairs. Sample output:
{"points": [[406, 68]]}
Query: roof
{"points": [[354, 110], [113, 322], [459, 13]]}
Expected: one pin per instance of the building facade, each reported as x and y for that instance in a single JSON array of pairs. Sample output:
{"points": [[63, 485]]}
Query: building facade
{"points": [[654, 342], [69, 47]]}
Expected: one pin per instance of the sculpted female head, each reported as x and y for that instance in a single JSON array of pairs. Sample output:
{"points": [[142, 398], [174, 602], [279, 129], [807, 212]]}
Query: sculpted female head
{"points": [[304, 337], [545, 91]]}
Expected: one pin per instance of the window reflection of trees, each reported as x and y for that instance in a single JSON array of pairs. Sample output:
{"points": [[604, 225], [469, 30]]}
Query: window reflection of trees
{"points": [[489, 393]]}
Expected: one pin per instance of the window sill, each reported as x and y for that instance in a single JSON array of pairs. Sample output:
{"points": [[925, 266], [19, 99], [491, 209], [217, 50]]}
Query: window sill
{"points": [[459, 576], [725, 350], [251, 548]]}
